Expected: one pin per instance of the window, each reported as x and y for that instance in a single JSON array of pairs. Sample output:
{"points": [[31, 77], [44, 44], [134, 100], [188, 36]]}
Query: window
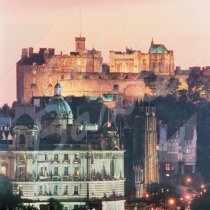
{"points": [[45, 157], [21, 172], [45, 172], [55, 157], [22, 139], [65, 190], [77, 158], [168, 166], [66, 157], [188, 151], [56, 171], [76, 190], [65, 171], [34, 81], [76, 171], [40, 190], [55, 190], [3, 170], [116, 87], [41, 172], [62, 77]]}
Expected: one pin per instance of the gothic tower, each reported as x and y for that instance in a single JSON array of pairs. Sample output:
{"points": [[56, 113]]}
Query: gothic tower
{"points": [[150, 148], [145, 164]]}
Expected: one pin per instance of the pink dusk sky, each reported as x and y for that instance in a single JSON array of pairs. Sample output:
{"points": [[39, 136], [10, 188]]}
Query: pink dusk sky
{"points": [[181, 25]]}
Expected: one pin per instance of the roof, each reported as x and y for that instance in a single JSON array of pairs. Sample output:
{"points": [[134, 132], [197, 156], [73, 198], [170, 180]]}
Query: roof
{"points": [[189, 132], [157, 48], [25, 120], [58, 105], [35, 58]]}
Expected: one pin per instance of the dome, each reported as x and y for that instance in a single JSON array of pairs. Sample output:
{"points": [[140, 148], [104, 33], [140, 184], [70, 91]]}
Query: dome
{"points": [[58, 104]]}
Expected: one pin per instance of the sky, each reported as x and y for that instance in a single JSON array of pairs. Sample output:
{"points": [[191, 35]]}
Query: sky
{"points": [[181, 25]]}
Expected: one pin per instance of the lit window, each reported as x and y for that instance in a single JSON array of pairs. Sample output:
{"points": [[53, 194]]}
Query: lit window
{"points": [[45, 172], [168, 166], [3, 170], [76, 171]]}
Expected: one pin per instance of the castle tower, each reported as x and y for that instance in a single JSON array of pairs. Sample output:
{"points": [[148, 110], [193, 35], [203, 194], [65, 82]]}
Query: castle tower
{"points": [[80, 44]]}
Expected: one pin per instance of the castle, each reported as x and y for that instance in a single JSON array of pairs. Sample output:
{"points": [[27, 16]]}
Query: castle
{"points": [[82, 73]]}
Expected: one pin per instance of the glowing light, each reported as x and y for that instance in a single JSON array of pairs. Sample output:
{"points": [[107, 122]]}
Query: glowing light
{"points": [[189, 180], [187, 197], [147, 195], [171, 201]]}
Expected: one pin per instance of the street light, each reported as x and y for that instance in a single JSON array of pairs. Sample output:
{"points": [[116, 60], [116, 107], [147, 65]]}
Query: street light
{"points": [[171, 203], [189, 180]]}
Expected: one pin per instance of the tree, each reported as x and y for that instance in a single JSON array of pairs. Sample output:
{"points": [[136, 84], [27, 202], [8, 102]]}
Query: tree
{"points": [[198, 86], [7, 199]]}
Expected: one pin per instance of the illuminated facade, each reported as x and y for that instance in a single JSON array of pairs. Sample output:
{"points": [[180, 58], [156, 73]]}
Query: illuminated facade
{"points": [[144, 153], [81, 72], [61, 160], [158, 59]]}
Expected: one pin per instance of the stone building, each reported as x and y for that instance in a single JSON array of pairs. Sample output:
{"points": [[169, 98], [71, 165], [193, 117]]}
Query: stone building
{"points": [[158, 59], [177, 154], [78, 164], [142, 150], [37, 73], [81, 74]]}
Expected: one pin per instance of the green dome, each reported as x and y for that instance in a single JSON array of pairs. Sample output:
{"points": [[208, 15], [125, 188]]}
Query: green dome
{"points": [[58, 105]]}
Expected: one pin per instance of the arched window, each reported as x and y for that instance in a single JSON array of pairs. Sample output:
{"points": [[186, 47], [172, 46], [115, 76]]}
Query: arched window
{"points": [[22, 139]]}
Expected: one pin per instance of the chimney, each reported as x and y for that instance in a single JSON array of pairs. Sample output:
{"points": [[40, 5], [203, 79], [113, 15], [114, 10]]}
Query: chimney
{"points": [[24, 53], [30, 49]]}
